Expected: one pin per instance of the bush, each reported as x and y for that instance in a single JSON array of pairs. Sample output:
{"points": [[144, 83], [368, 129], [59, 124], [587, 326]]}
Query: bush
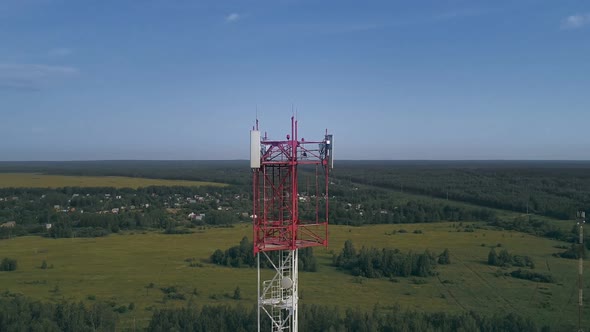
{"points": [[237, 293], [533, 276], [121, 309], [8, 264], [573, 252], [505, 259], [444, 258]]}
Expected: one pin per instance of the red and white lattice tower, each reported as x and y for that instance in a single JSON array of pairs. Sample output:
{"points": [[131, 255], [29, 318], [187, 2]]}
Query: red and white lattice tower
{"points": [[281, 224]]}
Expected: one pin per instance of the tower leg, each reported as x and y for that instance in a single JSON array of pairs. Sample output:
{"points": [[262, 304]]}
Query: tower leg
{"points": [[258, 291], [278, 297]]}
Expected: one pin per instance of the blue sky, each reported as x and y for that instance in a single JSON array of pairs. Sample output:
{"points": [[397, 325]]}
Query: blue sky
{"points": [[180, 79]]}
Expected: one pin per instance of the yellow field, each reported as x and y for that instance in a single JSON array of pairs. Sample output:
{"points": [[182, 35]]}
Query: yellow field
{"points": [[33, 180]]}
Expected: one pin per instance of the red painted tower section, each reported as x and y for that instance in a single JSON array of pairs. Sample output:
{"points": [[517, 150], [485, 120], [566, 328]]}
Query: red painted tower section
{"points": [[279, 222]]}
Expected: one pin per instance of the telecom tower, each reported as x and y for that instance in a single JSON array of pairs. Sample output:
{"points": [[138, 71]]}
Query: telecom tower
{"points": [[281, 225], [581, 221]]}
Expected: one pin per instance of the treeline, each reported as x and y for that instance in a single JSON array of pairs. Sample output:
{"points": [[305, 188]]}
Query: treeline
{"points": [[242, 255], [223, 171], [533, 276], [18, 313], [531, 225], [318, 318], [375, 263], [505, 259], [554, 189], [389, 212]]}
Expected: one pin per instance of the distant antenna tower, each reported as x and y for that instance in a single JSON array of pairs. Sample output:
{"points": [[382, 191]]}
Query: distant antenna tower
{"points": [[581, 221], [278, 229]]}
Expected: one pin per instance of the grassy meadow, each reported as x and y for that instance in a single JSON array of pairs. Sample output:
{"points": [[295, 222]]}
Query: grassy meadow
{"points": [[118, 268], [30, 180]]}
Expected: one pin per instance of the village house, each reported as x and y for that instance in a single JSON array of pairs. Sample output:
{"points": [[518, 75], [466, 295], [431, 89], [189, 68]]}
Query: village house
{"points": [[195, 216]]}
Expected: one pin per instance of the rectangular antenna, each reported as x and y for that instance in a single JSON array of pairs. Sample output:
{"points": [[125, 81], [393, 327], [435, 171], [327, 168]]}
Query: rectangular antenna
{"points": [[254, 149]]}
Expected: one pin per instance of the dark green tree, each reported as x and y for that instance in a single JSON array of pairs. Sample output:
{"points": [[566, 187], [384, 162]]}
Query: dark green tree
{"points": [[237, 294], [493, 258], [444, 258]]}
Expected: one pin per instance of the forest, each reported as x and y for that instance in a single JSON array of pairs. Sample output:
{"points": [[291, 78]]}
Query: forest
{"points": [[528, 197], [18, 313]]}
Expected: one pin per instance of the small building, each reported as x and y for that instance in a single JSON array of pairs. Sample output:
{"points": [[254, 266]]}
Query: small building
{"points": [[48, 226], [8, 224], [115, 210], [196, 216]]}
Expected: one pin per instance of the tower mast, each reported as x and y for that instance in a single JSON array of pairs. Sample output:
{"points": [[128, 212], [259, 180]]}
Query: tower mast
{"points": [[278, 229], [581, 221]]}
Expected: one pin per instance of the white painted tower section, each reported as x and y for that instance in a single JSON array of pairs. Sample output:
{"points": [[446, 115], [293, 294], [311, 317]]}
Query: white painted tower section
{"points": [[278, 297]]}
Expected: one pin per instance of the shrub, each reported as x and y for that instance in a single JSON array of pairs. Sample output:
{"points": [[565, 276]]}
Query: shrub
{"points": [[8, 264], [445, 257], [533, 276], [121, 309], [237, 293]]}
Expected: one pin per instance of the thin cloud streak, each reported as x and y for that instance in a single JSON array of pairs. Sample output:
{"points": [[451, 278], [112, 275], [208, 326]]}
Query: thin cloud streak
{"points": [[32, 76], [233, 17], [575, 21]]}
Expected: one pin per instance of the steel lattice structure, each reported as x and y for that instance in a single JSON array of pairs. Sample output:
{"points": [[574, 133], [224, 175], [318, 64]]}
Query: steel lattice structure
{"points": [[280, 225]]}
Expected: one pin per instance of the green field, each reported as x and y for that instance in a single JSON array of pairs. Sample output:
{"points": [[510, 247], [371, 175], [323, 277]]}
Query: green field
{"points": [[33, 180], [118, 267]]}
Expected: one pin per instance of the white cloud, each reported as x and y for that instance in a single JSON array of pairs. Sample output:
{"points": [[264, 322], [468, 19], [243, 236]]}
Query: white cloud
{"points": [[575, 21], [233, 17], [60, 51], [32, 76]]}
